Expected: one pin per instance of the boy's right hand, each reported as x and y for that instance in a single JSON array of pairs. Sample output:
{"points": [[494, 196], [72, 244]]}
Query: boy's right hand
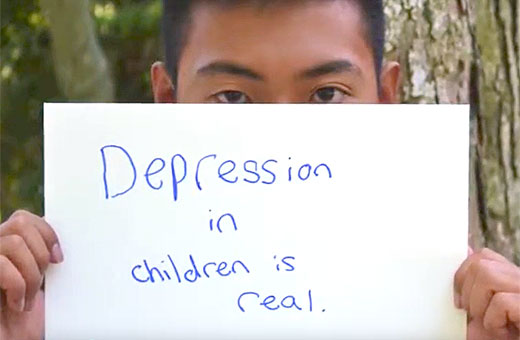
{"points": [[27, 245]]}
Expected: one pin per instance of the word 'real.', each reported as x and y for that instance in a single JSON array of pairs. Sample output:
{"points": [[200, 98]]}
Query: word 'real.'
{"points": [[251, 171]]}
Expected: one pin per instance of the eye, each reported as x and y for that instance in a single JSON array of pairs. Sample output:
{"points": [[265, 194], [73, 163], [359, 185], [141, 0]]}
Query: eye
{"points": [[329, 95], [232, 97]]}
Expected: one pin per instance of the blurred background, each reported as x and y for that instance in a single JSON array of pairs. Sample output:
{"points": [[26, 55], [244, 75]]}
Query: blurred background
{"points": [[451, 51]]}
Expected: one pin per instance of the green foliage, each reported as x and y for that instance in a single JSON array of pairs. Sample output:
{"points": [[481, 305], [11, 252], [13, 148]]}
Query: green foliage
{"points": [[129, 34]]}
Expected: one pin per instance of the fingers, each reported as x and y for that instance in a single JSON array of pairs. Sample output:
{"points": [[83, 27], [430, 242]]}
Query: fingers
{"points": [[12, 282], [479, 298], [502, 313], [483, 279], [34, 242], [476, 331], [487, 285], [483, 254], [27, 245], [461, 275], [14, 249], [23, 223]]}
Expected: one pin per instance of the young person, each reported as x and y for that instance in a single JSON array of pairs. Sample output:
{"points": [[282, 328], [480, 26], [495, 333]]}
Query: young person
{"points": [[225, 51]]}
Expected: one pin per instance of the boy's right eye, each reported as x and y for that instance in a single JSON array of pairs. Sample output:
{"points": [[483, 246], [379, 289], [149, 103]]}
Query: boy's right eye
{"points": [[232, 97]]}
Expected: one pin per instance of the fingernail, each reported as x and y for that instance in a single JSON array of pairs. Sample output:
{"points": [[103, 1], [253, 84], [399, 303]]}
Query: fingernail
{"points": [[29, 305], [56, 254]]}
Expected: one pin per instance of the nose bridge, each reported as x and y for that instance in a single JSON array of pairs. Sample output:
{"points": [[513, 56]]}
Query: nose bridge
{"points": [[283, 93], [284, 99]]}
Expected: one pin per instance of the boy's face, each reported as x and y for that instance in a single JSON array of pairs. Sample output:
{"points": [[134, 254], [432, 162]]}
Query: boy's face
{"points": [[298, 52]]}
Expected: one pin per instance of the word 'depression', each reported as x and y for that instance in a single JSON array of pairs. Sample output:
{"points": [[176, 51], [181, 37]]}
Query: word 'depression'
{"points": [[264, 172]]}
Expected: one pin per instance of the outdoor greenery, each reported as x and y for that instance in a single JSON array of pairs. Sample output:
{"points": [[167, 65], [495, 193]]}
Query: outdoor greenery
{"points": [[128, 31]]}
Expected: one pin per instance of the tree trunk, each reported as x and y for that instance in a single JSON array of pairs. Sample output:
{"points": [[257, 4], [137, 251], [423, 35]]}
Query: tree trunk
{"points": [[466, 51], [495, 28], [80, 66], [430, 40]]}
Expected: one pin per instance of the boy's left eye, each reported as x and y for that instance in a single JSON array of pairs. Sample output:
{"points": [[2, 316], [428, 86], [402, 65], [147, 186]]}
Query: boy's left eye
{"points": [[328, 95]]}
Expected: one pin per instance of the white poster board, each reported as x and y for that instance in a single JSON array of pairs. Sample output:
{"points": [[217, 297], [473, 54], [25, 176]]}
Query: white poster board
{"points": [[257, 221]]}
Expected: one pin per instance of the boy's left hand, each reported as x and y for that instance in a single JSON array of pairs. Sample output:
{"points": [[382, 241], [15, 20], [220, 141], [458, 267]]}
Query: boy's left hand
{"points": [[487, 286]]}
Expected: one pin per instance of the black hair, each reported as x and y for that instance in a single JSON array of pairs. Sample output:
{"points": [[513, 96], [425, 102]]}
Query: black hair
{"points": [[177, 14]]}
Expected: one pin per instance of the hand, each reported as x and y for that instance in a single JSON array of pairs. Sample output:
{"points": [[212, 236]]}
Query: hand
{"points": [[27, 246], [487, 286]]}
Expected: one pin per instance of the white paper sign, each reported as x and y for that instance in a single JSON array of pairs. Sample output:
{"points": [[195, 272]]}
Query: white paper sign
{"points": [[257, 221]]}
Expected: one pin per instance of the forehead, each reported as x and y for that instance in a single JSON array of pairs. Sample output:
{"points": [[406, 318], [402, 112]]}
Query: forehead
{"points": [[276, 37]]}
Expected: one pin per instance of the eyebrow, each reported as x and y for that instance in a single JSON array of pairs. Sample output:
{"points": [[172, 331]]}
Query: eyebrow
{"points": [[331, 67], [225, 67]]}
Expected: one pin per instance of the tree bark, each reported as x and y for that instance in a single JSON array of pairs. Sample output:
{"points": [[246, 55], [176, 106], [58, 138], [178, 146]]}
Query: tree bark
{"points": [[430, 40], [80, 65], [495, 83], [466, 51]]}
